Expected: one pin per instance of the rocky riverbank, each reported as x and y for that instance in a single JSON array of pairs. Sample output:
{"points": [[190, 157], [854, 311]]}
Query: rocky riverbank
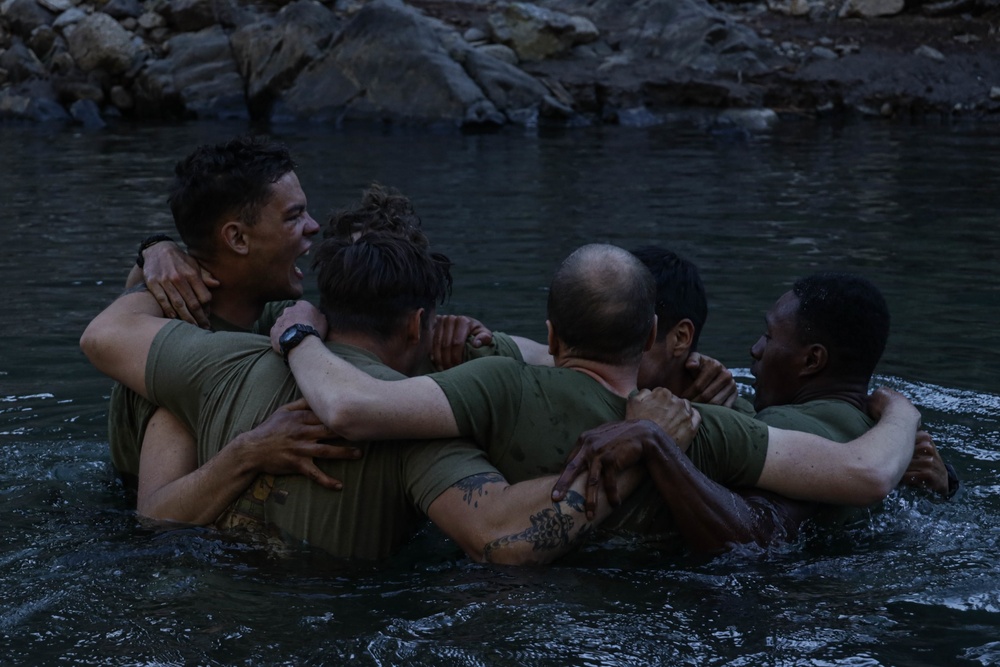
{"points": [[472, 63]]}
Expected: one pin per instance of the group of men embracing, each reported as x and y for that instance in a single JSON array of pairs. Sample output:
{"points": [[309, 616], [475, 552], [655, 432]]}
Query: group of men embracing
{"points": [[346, 426]]}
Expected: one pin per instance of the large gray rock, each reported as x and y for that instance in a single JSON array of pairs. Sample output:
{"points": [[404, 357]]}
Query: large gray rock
{"points": [[872, 8], [21, 63], [123, 9], [271, 52], [190, 15], [34, 100], [675, 34], [536, 33], [23, 16], [198, 78], [388, 62], [100, 42]]}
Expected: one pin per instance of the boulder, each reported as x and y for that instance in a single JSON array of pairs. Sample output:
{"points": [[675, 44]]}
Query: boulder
{"points": [[123, 9], [677, 35], [198, 78], [23, 16], [536, 33], [88, 114], [100, 42], [190, 15], [388, 62], [271, 52], [871, 8], [34, 101], [21, 63]]}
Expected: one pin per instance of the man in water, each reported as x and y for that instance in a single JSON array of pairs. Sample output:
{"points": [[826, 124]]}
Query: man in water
{"points": [[379, 293], [601, 319], [242, 214], [813, 365]]}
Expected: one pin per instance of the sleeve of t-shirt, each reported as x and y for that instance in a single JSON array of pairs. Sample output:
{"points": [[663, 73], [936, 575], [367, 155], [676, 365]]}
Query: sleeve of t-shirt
{"points": [[185, 362], [433, 467], [483, 393], [730, 448], [502, 346]]}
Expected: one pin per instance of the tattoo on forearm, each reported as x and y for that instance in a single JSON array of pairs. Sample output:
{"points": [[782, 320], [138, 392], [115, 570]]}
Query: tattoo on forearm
{"points": [[550, 529], [472, 487]]}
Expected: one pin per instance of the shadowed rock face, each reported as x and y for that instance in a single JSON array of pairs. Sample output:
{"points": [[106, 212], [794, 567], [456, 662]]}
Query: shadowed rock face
{"points": [[478, 62]]}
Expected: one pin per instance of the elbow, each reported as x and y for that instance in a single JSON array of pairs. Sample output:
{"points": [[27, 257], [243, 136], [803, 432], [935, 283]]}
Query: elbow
{"points": [[90, 344], [873, 486]]}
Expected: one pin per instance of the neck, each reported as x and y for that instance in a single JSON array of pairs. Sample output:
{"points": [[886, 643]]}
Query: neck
{"points": [[618, 379], [231, 300], [385, 351]]}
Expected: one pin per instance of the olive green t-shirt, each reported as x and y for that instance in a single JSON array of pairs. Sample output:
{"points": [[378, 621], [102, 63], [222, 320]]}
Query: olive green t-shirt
{"points": [[223, 384], [129, 413], [831, 418], [528, 419]]}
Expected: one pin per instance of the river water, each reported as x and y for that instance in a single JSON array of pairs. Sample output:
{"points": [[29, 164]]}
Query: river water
{"points": [[912, 206]]}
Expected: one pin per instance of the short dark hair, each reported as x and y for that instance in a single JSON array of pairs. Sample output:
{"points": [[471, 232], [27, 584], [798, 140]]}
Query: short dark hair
{"points": [[680, 294], [223, 180], [370, 285], [601, 304], [848, 315], [381, 209]]}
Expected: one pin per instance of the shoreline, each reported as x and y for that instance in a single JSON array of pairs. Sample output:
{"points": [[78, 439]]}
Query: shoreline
{"points": [[474, 64]]}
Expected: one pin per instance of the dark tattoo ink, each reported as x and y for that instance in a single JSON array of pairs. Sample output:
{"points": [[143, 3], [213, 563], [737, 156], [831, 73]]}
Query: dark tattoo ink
{"points": [[472, 486], [550, 529]]}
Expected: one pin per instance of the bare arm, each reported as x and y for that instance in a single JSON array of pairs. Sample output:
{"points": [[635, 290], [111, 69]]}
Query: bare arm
{"points": [[355, 405], [860, 472], [711, 517], [173, 488], [117, 341], [517, 524]]}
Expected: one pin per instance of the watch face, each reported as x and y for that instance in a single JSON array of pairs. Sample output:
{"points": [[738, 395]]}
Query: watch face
{"points": [[289, 335]]}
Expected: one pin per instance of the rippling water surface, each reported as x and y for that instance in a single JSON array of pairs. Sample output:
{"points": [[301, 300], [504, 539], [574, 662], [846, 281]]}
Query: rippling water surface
{"points": [[917, 583]]}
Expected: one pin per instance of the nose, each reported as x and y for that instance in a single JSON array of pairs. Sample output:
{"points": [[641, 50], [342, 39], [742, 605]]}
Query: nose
{"points": [[757, 349], [311, 227]]}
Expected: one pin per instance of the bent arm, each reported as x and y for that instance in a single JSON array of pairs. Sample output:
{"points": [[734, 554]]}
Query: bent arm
{"points": [[711, 517], [518, 524], [860, 472], [117, 341], [173, 488], [356, 406]]}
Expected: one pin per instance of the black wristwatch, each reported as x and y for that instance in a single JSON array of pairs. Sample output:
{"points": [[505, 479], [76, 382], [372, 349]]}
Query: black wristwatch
{"points": [[292, 336], [148, 242]]}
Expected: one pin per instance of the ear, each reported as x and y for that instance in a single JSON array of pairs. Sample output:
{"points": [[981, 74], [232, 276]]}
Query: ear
{"points": [[234, 237], [679, 339], [815, 360], [414, 327], [651, 340], [552, 339]]}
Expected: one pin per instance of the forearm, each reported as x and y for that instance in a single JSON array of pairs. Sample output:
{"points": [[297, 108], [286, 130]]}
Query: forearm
{"points": [[201, 496], [711, 517], [134, 278], [356, 406], [519, 524]]}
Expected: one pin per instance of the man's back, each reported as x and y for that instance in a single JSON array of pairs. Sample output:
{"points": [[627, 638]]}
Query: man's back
{"points": [[222, 384]]}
